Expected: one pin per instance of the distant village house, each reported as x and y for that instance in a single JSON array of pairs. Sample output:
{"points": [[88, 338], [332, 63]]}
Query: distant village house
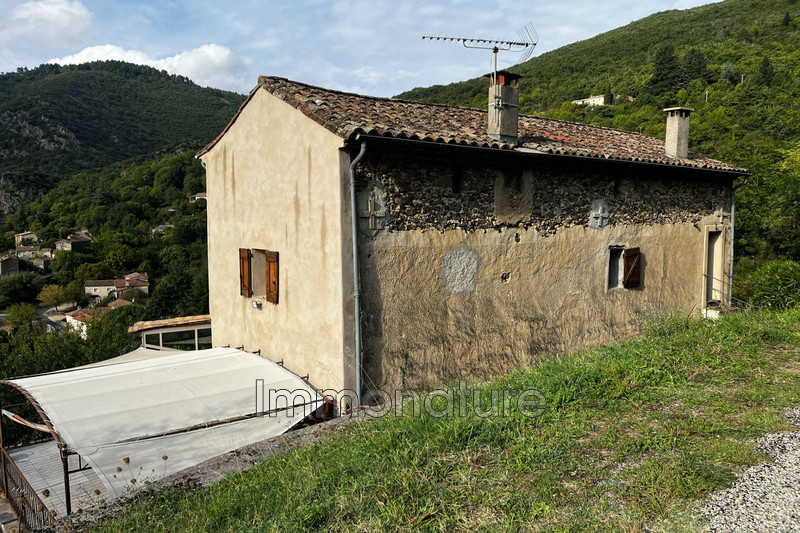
{"points": [[600, 99], [9, 264], [97, 289]]}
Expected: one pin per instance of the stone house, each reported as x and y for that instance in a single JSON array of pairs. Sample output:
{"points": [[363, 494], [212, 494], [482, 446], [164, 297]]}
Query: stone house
{"points": [[482, 240], [77, 242], [9, 264], [25, 239], [97, 289]]}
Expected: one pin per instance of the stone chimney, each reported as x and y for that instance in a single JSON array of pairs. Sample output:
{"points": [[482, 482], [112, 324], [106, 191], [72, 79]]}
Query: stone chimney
{"points": [[504, 106], [677, 142]]}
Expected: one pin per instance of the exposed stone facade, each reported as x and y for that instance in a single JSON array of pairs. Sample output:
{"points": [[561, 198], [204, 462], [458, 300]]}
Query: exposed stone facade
{"points": [[472, 272], [423, 195]]}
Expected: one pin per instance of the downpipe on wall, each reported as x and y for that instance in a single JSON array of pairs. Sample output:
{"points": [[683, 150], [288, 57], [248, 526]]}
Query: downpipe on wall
{"points": [[356, 277]]}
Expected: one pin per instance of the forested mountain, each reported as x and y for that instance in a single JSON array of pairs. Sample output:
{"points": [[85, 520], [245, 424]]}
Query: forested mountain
{"points": [[57, 121], [737, 63]]}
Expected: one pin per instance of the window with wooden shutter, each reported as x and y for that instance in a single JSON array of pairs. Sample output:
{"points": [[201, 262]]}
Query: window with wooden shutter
{"points": [[245, 284], [632, 260], [272, 277], [615, 267]]}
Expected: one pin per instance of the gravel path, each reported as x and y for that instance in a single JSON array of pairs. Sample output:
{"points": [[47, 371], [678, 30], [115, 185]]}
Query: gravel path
{"points": [[766, 497]]}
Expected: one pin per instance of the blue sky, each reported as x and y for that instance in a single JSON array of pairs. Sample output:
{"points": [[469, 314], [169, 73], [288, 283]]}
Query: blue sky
{"points": [[365, 46]]}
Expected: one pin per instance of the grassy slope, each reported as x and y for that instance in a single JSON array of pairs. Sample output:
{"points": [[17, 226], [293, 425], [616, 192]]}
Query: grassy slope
{"points": [[632, 435]]}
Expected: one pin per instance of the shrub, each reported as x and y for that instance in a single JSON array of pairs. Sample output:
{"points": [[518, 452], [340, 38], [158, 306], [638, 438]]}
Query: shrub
{"points": [[771, 283]]}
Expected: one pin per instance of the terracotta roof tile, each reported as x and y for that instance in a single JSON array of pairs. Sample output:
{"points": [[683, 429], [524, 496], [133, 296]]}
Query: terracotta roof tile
{"points": [[347, 114], [100, 283]]}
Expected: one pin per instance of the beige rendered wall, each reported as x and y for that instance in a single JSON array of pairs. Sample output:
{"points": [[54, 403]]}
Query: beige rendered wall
{"points": [[441, 306], [275, 182]]}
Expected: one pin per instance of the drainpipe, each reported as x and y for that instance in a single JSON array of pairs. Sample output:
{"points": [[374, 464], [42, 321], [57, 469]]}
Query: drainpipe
{"points": [[356, 277], [733, 215]]}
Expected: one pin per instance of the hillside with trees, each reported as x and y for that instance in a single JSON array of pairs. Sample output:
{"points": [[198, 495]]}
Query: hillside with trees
{"points": [[56, 121], [737, 63]]}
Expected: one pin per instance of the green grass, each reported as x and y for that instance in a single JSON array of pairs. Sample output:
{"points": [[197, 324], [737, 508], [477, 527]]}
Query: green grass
{"points": [[633, 435]]}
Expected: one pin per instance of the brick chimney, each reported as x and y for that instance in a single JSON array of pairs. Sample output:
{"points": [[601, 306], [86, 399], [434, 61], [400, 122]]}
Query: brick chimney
{"points": [[677, 142], [504, 106]]}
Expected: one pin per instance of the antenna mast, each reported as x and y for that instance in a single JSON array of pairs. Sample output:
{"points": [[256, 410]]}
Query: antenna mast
{"points": [[528, 39]]}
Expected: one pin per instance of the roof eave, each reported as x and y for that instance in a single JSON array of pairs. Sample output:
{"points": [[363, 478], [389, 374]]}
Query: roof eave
{"points": [[530, 153]]}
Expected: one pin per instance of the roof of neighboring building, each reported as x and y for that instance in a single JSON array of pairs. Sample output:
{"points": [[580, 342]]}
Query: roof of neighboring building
{"points": [[118, 283], [130, 283], [100, 283], [76, 237], [88, 313], [115, 304], [170, 322], [347, 115]]}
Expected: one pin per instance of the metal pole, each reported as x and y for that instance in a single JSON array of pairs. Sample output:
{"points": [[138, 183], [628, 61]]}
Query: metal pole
{"points": [[356, 279], [2, 454], [67, 495]]}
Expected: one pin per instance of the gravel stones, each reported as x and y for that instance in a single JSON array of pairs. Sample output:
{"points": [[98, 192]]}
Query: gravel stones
{"points": [[766, 497]]}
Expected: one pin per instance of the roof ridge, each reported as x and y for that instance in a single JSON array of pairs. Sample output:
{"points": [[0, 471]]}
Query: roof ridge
{"points": [[378, 98], [448, 106]]}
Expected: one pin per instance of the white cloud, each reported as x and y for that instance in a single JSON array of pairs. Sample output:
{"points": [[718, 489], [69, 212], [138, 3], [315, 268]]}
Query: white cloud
{"points": [[46, 23], [209, 65]]}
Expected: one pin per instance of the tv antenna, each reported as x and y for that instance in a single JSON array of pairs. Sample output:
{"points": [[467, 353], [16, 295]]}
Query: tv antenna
{"points": [[528, 39]]}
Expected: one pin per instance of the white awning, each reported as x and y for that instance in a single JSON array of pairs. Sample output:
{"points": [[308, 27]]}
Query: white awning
{"points": [[150, 414]]}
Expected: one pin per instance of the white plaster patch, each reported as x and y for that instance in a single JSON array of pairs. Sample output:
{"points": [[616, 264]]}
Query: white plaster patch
{"points": [[598, 216], [460, 272]]}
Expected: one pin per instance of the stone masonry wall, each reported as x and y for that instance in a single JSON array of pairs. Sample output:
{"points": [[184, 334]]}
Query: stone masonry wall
{"points": [[422, 196], [469, 271]]}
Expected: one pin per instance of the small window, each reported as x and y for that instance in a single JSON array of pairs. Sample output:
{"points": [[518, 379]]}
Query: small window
{"points": [[264, 274], [624, 267], [615, 267]]}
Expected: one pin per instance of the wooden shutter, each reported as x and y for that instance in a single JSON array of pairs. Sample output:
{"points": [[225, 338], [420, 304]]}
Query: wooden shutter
{"points": [[631, 259], [245, 286], [272, 277]]}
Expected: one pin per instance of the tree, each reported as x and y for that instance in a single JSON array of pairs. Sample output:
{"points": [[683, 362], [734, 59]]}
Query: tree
{"points": [[787, 19], [608, 96], [74, 292], [728, 73], [694, 66], [20, 315], [53, 296], [109, 337], [765, 73], [89, 271], [65, 263], [133, 295], [667, 73], [19, 288]]}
